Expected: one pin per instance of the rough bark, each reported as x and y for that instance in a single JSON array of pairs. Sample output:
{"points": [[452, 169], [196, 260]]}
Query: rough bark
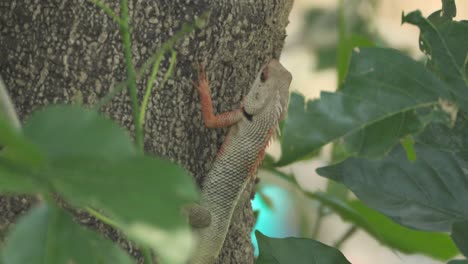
{"points": [[62, 51]]}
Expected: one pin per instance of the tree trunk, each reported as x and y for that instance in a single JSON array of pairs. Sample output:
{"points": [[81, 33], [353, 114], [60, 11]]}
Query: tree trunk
{"points": [[62, 51]]}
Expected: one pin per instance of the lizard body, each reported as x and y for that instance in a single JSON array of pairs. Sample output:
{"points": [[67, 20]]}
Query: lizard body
{"points": [[251, 128]]}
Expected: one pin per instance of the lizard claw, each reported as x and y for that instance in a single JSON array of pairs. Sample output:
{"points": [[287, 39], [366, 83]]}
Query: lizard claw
{"points": [[202, 83]]}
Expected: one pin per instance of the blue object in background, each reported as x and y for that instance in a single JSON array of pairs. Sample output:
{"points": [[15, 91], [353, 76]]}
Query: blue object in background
{"points": [[278, 221]]}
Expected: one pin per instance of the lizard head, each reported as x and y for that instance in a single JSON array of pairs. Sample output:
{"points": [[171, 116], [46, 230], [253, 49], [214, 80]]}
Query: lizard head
{"points": [[270, 90]]}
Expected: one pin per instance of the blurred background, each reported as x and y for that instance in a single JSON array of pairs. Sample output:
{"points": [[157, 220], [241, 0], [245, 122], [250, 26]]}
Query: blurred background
{"points": [[310, 54]]}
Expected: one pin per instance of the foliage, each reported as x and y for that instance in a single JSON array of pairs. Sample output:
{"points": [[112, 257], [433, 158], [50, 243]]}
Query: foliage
{"points": [[400, 129], [63, 241], [301, 250], [90, 162]]}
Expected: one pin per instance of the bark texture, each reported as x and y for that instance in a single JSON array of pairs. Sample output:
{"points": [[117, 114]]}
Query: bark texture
{"points": [[62, 51]]}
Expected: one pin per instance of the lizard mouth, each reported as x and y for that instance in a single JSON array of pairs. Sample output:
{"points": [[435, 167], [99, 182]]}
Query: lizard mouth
{"points": [[247, 115]]}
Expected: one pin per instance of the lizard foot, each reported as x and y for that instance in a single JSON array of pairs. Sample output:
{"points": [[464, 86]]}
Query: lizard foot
{"points": [[198, 216], [202, 83]]}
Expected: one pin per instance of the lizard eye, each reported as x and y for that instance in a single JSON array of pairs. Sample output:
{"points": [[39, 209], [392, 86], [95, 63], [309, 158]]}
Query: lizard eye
{"points": [[257, 96], [264, 75]]}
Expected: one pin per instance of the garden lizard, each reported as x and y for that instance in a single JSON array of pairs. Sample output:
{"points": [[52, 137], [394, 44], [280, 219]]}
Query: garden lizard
{"points": [[251, 128]]}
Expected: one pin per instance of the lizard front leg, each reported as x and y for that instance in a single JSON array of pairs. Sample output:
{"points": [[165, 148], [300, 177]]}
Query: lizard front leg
{"points": [[211, 120]]}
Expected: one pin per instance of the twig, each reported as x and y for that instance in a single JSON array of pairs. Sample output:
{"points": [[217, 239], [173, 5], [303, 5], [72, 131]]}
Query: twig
{"points": [[168, 45], [132, 86], [108, 11], [345, 236], [106, 220], [7, 109], [318, 221], [150, 85]]}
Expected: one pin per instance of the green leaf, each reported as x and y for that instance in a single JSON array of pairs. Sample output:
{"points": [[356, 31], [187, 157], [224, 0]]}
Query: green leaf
{"points": [[458, 261], [298, 250], [390, 234], [376, 140], [454, 140], [63, 130], [435, 245], [427, 194], [91, 162], [18, 158], [48, 235], [460, 236], [345, 49], [17, 178], [15, 147], [143, 195], [445, 42], [449, 8], [380, 83]]}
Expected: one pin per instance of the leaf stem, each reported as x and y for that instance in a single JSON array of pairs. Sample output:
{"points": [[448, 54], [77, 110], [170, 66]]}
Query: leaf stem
{"points": [[132, 86], [150, 85], [147, 257], [101, 217], [345, 236], [7, 110], [108, 11], [322, 213], [146, 251], [318, 221], [186, 28], [341, 50]]}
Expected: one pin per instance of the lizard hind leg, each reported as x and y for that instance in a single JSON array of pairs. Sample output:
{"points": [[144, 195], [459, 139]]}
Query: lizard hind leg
{"points": [[197, 215]]}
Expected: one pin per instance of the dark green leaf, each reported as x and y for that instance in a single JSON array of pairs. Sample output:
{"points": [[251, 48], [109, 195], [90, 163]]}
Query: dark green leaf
{"points": [[61, 131], [436, 245], [427, 194], [460, 236], [92, 162], [376, 140], [446, 44], [15, 147], [454, 140], [458, 261], [449, 8], [144, 195], [406, 240], [345, 49], [447, 13], [298, 250], [49, 236], [380, 83], [18, 178], [339, 151], [18, 158]]}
